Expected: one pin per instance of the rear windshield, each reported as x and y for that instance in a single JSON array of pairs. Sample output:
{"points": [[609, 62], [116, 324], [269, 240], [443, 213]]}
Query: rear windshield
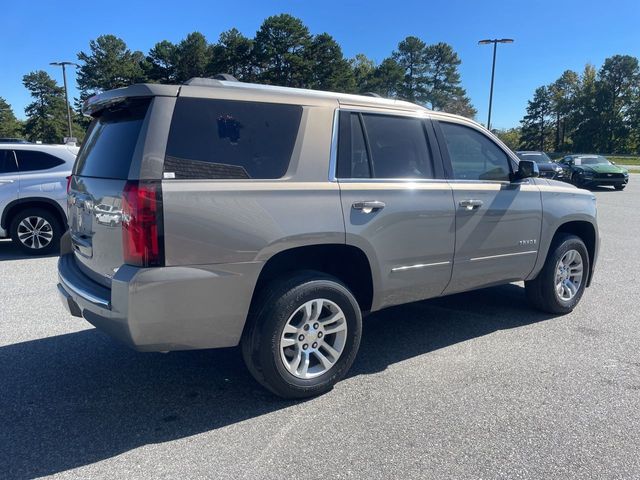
{"points": [[111, 140], [227, 139]]}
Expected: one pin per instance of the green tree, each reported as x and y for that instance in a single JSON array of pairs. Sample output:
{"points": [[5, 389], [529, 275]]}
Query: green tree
{"points": [[233, 54], [46, 115], [109, 64], [619, 84], [193, 57], [564, 92], [388, 78], [443, 79], [329, 69], [363, 70], [586, 114], [510, 137], [536, 124], [280, 51], [412, 56], [161, 62], [9, 124]]}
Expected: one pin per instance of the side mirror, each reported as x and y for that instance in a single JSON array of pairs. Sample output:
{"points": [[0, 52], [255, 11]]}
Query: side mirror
{"points": [[526, 169]]}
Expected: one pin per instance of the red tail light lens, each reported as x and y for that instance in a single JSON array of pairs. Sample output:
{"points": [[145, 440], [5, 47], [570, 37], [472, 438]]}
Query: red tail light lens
{"points": [[142, 238], [68, 183]]}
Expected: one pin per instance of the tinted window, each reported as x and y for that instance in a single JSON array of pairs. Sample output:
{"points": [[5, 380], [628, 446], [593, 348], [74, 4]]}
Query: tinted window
{"points": [[30, 160], [398, 147], [473, 155], [111, 140], [230, 139], [7, 162], [353, 160]]}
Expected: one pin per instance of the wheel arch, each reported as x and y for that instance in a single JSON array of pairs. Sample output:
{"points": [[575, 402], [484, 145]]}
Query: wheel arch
{"points": [[345, 262], [32, 202], [586, 231]]}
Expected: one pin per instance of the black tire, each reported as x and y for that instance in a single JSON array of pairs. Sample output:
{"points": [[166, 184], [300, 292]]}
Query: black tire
{"points": [[619, 187], [56, 231], [270, 312], [541, 291], [577, 181]]}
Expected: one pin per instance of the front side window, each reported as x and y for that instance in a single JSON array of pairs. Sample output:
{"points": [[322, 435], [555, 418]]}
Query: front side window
{"points": [[228, 139], [31, 160], [7, 162], [473, 155]]}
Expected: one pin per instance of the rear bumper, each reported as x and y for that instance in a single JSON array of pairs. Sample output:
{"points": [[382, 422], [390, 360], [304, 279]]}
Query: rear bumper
{"points": [[166, 308]]}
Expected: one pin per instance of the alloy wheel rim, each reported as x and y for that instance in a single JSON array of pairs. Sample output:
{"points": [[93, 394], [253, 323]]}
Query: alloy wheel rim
{"points": [[35, 232], [569, 274], [313, 338]]}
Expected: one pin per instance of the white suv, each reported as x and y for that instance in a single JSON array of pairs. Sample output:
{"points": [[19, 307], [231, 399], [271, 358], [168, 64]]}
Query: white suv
{"points": [[33, 188]]}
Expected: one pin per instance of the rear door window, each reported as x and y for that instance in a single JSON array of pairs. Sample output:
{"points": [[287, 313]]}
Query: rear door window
{"points": [[107, 151], [7, 162], [398, 147], [31, 160], [228, 139]]}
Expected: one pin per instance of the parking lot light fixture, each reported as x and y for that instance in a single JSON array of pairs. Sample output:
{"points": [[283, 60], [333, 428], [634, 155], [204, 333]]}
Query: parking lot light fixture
{"points": [[495, 42], [66, 94]]}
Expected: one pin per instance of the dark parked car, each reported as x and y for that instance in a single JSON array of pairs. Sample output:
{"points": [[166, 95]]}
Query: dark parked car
{"points": [[547, 167], [586, 171]]}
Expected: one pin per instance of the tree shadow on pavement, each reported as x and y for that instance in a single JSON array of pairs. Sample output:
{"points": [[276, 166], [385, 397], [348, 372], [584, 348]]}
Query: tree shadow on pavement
{"points": [[75, 399]]}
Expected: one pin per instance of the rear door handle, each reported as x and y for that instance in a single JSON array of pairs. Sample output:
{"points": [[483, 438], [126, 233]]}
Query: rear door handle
{"points": [[471, 204], [6, 181], [368, 206]]}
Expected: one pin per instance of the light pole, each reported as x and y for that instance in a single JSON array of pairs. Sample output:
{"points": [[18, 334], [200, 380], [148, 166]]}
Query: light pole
{"points": [[495, 42], [66, 95]]}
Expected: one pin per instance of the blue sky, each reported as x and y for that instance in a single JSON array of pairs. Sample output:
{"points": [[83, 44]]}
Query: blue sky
{"points": [[551, 36]]}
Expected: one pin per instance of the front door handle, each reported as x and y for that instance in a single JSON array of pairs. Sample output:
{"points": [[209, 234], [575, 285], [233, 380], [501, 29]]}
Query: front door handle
{"points": [[470, 204], [6, 181], [368, 206]]}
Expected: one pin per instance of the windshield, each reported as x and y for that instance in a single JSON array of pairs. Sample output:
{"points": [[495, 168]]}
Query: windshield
{"points": [[538, 157], [595, 160]]}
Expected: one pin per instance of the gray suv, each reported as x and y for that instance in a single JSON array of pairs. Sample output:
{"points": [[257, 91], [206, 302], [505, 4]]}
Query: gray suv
{"points": [[219, 213]]}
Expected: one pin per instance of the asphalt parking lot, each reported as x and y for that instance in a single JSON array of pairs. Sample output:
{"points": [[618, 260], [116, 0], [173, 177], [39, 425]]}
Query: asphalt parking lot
{"points": [[471, 386]]}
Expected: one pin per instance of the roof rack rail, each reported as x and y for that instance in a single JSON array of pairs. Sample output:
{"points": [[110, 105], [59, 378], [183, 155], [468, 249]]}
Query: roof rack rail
{"points": [[211, 81], [371, 94], [225, 76]]}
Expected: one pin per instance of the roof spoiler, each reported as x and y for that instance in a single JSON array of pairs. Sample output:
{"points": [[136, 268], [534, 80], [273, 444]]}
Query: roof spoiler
{"points": [[98, 102]]}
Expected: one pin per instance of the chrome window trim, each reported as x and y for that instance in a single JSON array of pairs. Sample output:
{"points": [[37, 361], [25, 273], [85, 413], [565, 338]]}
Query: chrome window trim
{"points": [[333, 157]]}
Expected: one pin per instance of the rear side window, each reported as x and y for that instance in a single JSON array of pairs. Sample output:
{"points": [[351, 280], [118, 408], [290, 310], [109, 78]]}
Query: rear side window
{"points": [[7, 162], [111, 140], [353, 158], [31, 160], [227, 139], [473, 155], [395, 147]]}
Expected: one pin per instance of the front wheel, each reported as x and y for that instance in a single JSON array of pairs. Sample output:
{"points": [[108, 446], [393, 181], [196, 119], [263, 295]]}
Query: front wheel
{"points": [[36, 231], [560, 284], [303, 335]]}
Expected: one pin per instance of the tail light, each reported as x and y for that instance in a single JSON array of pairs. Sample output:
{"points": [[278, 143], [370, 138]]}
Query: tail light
{"points": [[142, 231], [68, 183]]}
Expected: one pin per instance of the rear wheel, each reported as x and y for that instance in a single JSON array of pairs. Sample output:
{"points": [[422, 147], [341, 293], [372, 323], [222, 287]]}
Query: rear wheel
{"points": [[36, 231], [560, 284], [303, 335]]}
